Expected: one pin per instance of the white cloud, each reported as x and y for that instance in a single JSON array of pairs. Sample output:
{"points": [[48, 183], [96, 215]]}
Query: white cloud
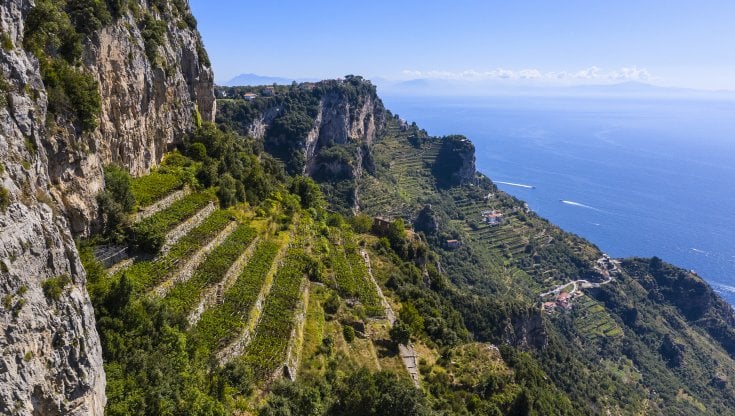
{"points": [[590, 74]]}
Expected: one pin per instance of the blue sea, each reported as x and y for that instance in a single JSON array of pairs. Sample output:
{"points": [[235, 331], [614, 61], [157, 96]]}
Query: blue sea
{"points": [[637, 177]]}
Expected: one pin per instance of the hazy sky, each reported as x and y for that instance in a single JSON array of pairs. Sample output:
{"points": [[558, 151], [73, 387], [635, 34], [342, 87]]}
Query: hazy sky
{"points": [[673, 43]]}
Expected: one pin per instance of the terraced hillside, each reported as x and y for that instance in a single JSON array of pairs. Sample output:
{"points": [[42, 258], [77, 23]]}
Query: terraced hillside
{"points": [[512, 261], [457, 260], [246, 292], [235, 292]]}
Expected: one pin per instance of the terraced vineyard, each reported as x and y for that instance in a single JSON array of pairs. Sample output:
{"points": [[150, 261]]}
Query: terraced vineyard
{"points": [[147, 273], [185, 295], [593, 321], [155, 186], [267, 350], [218, 326], [407, 170], [365, 290], [157, 225], [348, 274]]}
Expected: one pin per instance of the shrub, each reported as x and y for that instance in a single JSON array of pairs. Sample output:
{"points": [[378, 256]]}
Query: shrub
{"points": [[6, 42], [118, 182], [51, 35], [72, 92], [361, 223], [4, 199], [227, 191], [331, 305], [198, 151], [117, 7], [54, 287], [149, 237], [116, 201], [49, 31], [88, 16], [400, 333], [349, 333], [153, 32]]}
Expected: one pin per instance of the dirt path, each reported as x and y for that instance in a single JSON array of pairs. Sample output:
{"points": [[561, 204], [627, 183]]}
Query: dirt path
{"points": [[389, 315], [407, 352], [296, 342]]}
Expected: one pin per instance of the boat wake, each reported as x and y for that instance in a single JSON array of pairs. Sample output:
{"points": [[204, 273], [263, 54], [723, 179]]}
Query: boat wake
{"points": [[722, 287], [577, 204], [519, 185]]}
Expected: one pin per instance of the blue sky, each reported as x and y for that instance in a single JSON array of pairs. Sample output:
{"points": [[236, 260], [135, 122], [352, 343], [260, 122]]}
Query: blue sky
{"points": [[671, 43]]}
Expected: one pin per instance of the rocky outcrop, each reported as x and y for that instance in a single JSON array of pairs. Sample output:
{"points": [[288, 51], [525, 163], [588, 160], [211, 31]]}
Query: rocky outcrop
{"points": [[455, 164], [49, 176], [526, 330], [345, 112], [146, 107], [342, 121], [426, 221]]}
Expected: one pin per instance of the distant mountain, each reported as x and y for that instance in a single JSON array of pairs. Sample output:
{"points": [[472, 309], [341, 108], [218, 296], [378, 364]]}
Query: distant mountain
{"points": [[254, 79]]}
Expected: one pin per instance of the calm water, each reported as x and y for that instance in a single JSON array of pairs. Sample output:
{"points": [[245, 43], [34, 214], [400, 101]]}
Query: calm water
{"points": [[636, 177]]}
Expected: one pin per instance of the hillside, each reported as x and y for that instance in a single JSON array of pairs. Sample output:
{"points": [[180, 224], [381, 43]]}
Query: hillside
{"points": [[296, 250], [625, 336]]}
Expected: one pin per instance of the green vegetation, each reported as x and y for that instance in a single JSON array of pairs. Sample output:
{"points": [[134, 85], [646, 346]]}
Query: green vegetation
{"points": [[88, 16], [53, 287], [6, 42], [154, 34], [144, 274], [4, 199], [116, 201], [219, 325], [149, 234], [5, 87], [232, 163], [267, 350], [360, 393], [54, 31], [349, 333], [653, 340], [184, 296], [150, 188]]}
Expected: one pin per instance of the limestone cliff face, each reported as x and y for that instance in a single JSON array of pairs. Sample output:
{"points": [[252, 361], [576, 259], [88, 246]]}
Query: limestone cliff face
{"points": [[345, 112], [146, 106], [51, 362], [342, 121]]}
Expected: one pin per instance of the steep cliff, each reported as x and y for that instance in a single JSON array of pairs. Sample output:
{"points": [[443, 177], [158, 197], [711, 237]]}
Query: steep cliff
{"points": [[297, 123], [152, 89], [51, 171], [324, 130]]}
